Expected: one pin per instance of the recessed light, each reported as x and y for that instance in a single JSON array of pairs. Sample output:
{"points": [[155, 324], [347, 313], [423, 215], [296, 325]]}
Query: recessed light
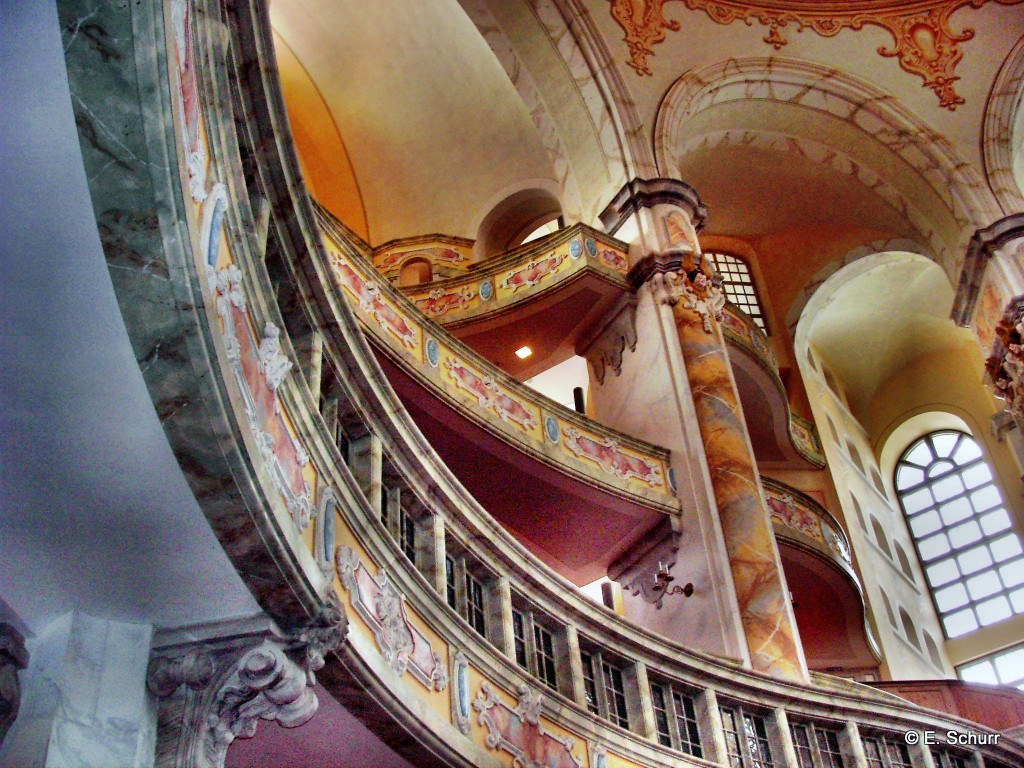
{"points": [[523, 352]]}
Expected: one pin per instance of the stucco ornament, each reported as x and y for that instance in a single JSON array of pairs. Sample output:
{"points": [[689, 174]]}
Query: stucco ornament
{"points": [[212, 692], [274, 364], [1005, 366], [519, 731], [924, 42], [693, 287]]}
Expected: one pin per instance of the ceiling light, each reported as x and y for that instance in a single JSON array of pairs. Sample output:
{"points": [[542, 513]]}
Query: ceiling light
{"points": [[523, 352]]}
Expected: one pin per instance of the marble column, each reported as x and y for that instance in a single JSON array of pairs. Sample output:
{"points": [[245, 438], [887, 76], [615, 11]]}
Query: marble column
{"points": [[674, 271], [84, 700]]}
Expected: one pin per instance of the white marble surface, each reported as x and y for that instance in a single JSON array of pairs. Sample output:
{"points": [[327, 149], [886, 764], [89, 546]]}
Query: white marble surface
{"points": [[84, 701]]}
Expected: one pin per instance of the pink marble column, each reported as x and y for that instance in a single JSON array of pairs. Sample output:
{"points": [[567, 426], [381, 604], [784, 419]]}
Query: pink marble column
{"points": [[662, 217], [761, 590]]}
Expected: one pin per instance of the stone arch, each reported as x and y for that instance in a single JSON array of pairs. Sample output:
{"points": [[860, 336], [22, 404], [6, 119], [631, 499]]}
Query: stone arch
{"points": [[1005, 103], [874, 248], [954, 181]]}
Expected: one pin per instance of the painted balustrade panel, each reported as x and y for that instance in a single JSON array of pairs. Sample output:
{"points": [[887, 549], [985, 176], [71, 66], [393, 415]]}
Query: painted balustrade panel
{"points": [[522, 274], [489, 396], [253, 350], [447, 256], [794, 512]]}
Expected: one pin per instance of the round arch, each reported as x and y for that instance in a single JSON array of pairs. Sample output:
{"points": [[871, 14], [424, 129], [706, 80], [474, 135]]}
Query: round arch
{"points": [[961, 202], [999, 140]]}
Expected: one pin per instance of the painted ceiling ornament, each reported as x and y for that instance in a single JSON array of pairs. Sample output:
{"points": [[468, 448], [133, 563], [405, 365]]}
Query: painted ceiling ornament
{"points": [[925, 43]]}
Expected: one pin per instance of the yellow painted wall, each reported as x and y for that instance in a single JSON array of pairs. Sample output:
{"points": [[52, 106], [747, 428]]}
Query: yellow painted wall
{"points": [[325, 163]]}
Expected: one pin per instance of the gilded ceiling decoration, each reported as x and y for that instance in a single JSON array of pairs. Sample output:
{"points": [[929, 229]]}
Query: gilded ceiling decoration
{"points": [[925, 44]]}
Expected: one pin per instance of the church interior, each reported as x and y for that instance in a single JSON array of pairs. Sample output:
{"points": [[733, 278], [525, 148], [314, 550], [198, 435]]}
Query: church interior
{"points": [[526, 383]]}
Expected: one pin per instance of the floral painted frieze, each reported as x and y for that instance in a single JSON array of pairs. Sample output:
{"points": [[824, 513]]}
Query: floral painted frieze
{"points": [[391, 260], [532, 272], [614, 260], [379, 603], [371, 303], [805, 438], [792, 512], [609, 456], [260, 367], [519, 732], [489, 395], [439, 302]]}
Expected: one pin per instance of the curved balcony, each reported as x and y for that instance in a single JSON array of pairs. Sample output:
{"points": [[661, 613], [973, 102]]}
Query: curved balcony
{"points": [[550, 294], [780, 438], [294, 461], [828, 599], [579, 494]]}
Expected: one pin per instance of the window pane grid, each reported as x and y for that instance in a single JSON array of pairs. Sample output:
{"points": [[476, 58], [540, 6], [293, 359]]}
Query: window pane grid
{"points": [[661, 715], [686, 720], [961, 531], [757, 741], [519, 637], [738, 285], [449, 582], [475, 605], [589, 683], [1005, 667], [545, 652], [615, 692], [828, 746]]}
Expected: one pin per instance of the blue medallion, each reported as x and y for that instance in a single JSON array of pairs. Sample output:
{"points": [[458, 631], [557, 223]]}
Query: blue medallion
{"points": [[551, 429], [432, 352], [591, 246], [575, 249], [486, 290], [672, 479]]}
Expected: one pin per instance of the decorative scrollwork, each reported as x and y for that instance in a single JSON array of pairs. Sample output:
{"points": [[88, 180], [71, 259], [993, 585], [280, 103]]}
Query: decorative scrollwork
{"points": [[924, 42]]}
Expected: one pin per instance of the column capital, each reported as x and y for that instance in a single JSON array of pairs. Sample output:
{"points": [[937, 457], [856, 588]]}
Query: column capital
{"points": [[648, 193], [214, 690], [681, 277]]}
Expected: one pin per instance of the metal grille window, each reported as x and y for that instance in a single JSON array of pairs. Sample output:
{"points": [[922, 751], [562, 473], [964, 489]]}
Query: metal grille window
{"points": [[828, 747], [544, 649], [945, 758], [407, 534], [449, 583], [964, 537], [475, 612], [881, 752], [589, 683], [746, 739], [519, 638], [615, 694], [675, 719], [686, 720], [661, 715], [738, 285], [816, 747]]}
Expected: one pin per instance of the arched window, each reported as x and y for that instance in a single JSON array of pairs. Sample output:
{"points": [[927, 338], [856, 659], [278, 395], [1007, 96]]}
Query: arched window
{"points": [[738, 284], [971, 556]]}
